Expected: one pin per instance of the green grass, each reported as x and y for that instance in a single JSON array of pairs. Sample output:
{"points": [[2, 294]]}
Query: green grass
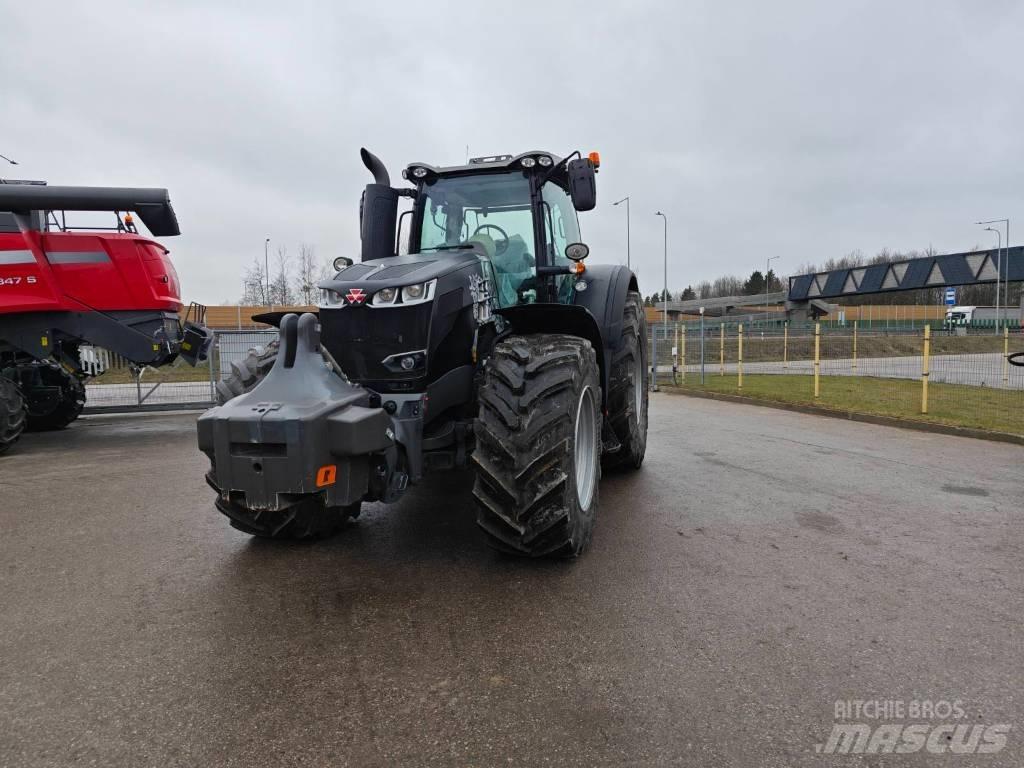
{"points": [[995, 410], [178, 372]]}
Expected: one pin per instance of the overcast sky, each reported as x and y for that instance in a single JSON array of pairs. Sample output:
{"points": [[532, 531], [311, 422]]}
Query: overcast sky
{"points": [[803, 130]]}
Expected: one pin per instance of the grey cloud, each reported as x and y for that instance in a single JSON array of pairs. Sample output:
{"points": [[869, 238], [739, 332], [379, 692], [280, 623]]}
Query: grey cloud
{"points": [[803, 130]]}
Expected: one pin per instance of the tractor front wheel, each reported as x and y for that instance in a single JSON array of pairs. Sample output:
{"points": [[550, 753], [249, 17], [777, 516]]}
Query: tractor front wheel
{"points": [[12, 413], [247, 373], [538, 446], [306, 519]]}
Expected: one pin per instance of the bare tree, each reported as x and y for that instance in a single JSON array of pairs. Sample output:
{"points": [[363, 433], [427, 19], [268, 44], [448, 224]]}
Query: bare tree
{"points": [[281, 293], [254, 285], [311, 272]]}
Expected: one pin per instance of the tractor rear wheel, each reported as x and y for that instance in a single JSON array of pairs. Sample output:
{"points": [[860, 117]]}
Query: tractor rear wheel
{"points": [[627, 390], [538, 446], [12, 413], [247, 373], [54, 397]]}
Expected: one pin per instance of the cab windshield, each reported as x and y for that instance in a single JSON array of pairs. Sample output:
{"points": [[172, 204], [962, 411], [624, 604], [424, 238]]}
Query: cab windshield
{"points": [[491, 212]]}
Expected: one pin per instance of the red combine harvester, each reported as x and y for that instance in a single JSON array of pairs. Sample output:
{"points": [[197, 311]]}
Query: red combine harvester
{"points": [[110, 287]]}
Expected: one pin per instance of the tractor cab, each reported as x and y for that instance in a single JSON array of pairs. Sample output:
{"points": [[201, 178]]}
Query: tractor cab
{"points": [[517, 213]]}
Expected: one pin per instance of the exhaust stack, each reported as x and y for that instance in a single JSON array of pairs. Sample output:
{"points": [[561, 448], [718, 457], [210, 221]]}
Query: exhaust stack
{"points": [[378, 211]]}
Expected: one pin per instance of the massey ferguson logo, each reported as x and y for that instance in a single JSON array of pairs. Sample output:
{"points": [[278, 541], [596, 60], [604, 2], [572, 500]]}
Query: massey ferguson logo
{"points": [[355, 296]]}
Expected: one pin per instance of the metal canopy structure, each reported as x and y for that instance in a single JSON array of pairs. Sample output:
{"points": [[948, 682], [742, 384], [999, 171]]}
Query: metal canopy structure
{"points": [[971, 268]]}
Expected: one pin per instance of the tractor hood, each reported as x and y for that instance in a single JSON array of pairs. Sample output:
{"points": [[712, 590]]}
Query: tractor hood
{"points": [[400, 271]]}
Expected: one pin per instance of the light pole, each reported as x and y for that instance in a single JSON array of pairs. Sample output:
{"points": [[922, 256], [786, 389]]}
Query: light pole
{"points": [[664, 296], [626, 201], [999, 268], [702, 346], [266, 268], [767, 269], [1006, 288]]}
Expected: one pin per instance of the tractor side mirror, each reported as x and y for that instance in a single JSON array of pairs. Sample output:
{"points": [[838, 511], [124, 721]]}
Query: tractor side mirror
{"points": [[582, 184]]}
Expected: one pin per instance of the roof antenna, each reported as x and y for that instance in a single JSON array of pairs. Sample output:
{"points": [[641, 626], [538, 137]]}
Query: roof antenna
{"points": [[467, 154], [12, 162]]}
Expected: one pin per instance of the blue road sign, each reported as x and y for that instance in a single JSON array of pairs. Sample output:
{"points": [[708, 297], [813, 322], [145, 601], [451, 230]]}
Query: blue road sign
{"points": [[950, 297]]}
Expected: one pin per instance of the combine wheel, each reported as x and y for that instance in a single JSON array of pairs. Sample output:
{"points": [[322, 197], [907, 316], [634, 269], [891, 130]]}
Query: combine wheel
{"points": [[12, 413], [54, 397], [538, 446]]}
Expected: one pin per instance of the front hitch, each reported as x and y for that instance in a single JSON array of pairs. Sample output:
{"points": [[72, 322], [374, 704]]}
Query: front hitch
{"points": [[303, 433]]}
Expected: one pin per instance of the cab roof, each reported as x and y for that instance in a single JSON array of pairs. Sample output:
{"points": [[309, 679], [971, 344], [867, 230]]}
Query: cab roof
{"points": [[486, 164]]}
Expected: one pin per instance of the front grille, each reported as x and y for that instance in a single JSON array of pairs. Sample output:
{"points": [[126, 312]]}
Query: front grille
{"points": [[361, 337]]}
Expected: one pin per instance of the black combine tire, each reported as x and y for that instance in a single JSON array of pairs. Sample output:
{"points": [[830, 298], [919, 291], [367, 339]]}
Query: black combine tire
{"points": [[247, 373], [538, 446], [627, 390], [12, 414], [51, 412], [307, 519]]}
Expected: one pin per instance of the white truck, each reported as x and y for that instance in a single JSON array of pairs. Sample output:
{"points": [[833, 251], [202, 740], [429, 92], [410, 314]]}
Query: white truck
{"points": [[964, 316]]}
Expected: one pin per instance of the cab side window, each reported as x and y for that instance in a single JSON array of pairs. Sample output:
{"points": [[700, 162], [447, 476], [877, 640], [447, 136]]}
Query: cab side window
{"points": [[560, 221]]}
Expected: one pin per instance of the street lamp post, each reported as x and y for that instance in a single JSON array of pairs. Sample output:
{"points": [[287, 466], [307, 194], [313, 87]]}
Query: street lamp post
{"points": [[701, 346], [626, 201], [664, 296], [1006, 288], [767, 269], [999, 268], [266, 269]]}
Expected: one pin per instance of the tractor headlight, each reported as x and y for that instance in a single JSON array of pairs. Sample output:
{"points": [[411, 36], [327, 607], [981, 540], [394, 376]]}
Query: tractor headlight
{"points": [[329, 298], [385, 296], [528, 162], [419, 172], [544, 160], [412, 292], [406, 362]]}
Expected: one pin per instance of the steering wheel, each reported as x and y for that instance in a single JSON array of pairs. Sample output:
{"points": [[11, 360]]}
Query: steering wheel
{"points": [[500, 246]]}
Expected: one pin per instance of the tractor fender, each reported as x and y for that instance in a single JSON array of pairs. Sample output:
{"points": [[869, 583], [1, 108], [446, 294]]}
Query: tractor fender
{"points": [[274, 318], [595, 315], [605, 299]]}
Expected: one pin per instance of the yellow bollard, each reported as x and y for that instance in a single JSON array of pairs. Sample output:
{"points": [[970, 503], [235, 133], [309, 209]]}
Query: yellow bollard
{"points": [[721, 350], [1006, 356], [739, 359], [817, 359], [785, 346], [854, 346], [924, 368]]}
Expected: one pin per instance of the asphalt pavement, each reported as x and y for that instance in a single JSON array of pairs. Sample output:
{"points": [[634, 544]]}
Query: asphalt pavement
{"points": [[762, 566]]}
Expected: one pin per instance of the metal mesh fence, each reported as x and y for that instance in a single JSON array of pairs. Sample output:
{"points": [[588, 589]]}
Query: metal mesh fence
{"points": [[123, 387], [924, 373]]}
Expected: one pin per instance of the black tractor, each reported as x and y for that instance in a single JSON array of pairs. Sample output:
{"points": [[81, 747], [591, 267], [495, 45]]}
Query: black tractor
{"points": [[491, 344]]}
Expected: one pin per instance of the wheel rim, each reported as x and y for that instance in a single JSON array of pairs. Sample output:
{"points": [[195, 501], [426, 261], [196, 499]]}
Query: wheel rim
{"points": [[586, 433], [638, 385]]}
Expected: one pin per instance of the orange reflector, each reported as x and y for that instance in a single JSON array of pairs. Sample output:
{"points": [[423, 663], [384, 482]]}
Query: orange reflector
{"points": [[595, 158], [326, 475], [579, 268]]}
